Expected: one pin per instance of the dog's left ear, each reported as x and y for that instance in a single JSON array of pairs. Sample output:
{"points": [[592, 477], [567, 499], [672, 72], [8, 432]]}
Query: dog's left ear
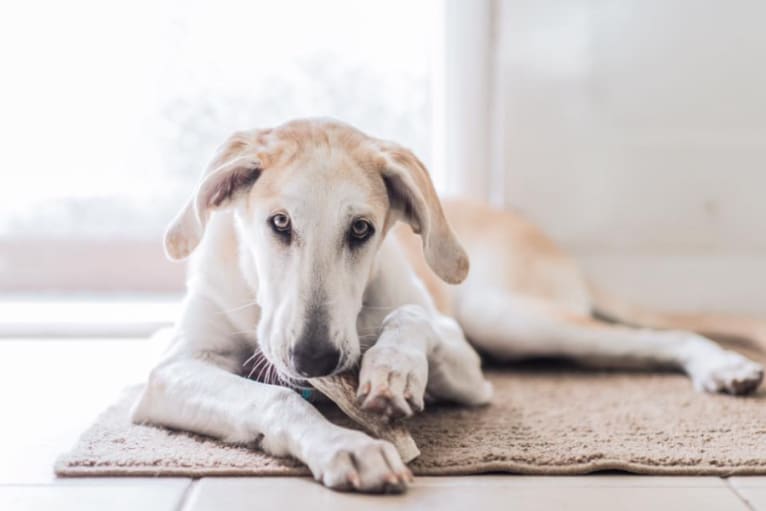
{"points": [[413, 196]]}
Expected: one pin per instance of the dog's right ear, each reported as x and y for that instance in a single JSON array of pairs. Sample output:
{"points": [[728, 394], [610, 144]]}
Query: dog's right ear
{"points": [[234, 169]]}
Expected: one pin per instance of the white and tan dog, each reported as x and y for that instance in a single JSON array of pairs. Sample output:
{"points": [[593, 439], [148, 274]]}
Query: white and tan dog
{"points": [[300, 270]]}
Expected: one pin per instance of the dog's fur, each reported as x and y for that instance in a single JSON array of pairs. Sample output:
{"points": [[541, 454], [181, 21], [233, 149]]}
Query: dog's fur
{"points": [[267, 308]]}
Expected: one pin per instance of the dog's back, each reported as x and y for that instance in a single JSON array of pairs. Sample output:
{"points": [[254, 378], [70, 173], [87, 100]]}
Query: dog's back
{"points": [[507, 253]]}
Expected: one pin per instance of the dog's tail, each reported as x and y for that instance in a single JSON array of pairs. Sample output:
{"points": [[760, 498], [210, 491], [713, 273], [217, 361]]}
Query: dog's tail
{"points": [[714, 325]]}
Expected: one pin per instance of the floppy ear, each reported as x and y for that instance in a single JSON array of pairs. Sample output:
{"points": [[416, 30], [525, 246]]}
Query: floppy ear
{"points": [[413, 195], [233, 170]]}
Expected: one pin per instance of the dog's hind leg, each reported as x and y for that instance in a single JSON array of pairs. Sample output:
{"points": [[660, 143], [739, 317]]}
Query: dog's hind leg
{"points": [[713, 325], [513, 327]]}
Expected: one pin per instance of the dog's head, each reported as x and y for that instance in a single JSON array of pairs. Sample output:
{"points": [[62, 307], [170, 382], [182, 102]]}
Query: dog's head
{"points": [[313, 201]]}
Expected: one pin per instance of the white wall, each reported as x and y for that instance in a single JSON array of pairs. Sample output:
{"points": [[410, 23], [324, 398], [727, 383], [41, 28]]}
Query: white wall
{"points": [[635, 132]]}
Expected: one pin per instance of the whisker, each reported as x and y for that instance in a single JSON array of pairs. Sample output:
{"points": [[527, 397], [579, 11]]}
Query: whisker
{"points": [[262, 372], [259, 366], [273, 377], [237, 332], [255, 354], [255, 366], [239, 307]]}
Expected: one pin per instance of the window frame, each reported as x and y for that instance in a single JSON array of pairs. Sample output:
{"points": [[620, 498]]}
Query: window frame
{"points": [[99, 266]]}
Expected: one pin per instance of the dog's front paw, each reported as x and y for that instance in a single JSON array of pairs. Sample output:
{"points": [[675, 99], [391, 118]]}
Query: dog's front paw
{"points": [[392, 381], [728, 372], [353, 461]]}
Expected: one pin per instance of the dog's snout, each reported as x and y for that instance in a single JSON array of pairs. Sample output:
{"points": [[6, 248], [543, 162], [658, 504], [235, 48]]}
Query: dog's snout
{"points": [[314, 354], [314, 358]]}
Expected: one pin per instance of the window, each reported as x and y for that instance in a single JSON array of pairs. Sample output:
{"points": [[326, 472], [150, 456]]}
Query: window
{"points": [[110, 118]]}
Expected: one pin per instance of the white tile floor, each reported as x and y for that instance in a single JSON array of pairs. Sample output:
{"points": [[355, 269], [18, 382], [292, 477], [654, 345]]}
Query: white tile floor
{"points": [[51, 389]]}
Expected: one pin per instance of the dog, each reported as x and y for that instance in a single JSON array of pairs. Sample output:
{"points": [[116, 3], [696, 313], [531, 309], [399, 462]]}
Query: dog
{"points": [[319, 249]]}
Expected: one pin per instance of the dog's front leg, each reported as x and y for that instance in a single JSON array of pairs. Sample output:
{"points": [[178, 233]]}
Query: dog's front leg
{"points": [[394, 372], [196, 393], [417, 351]]}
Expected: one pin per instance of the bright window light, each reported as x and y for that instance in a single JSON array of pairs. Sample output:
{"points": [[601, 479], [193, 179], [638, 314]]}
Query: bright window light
{"points": [[108, 119]]}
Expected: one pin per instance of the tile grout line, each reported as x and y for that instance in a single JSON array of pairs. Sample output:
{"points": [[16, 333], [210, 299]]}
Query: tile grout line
{"points": [[186, 494], [741, 497]]}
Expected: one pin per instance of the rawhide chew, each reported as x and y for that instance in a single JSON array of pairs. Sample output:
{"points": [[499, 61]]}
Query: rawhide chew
{"points": [[341, 389]]}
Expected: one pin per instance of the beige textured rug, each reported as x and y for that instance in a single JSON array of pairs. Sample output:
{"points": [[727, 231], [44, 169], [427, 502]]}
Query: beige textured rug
{"points": [[543, 420]]}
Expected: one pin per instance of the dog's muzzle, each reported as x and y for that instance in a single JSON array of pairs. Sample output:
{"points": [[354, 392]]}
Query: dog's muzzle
{"points": [[313, 354]]}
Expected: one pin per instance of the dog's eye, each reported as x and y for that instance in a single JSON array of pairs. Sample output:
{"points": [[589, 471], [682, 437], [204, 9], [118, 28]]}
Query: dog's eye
{"points": [[280, 223], [361, 230]]}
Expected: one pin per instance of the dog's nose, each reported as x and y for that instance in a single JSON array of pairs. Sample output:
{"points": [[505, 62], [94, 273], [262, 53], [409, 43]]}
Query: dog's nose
{"points": [[313, 354], [312, 359]]}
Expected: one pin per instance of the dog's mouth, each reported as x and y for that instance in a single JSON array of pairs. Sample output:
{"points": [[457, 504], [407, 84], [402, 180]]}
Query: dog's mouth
{"points": [[259, 368]]}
